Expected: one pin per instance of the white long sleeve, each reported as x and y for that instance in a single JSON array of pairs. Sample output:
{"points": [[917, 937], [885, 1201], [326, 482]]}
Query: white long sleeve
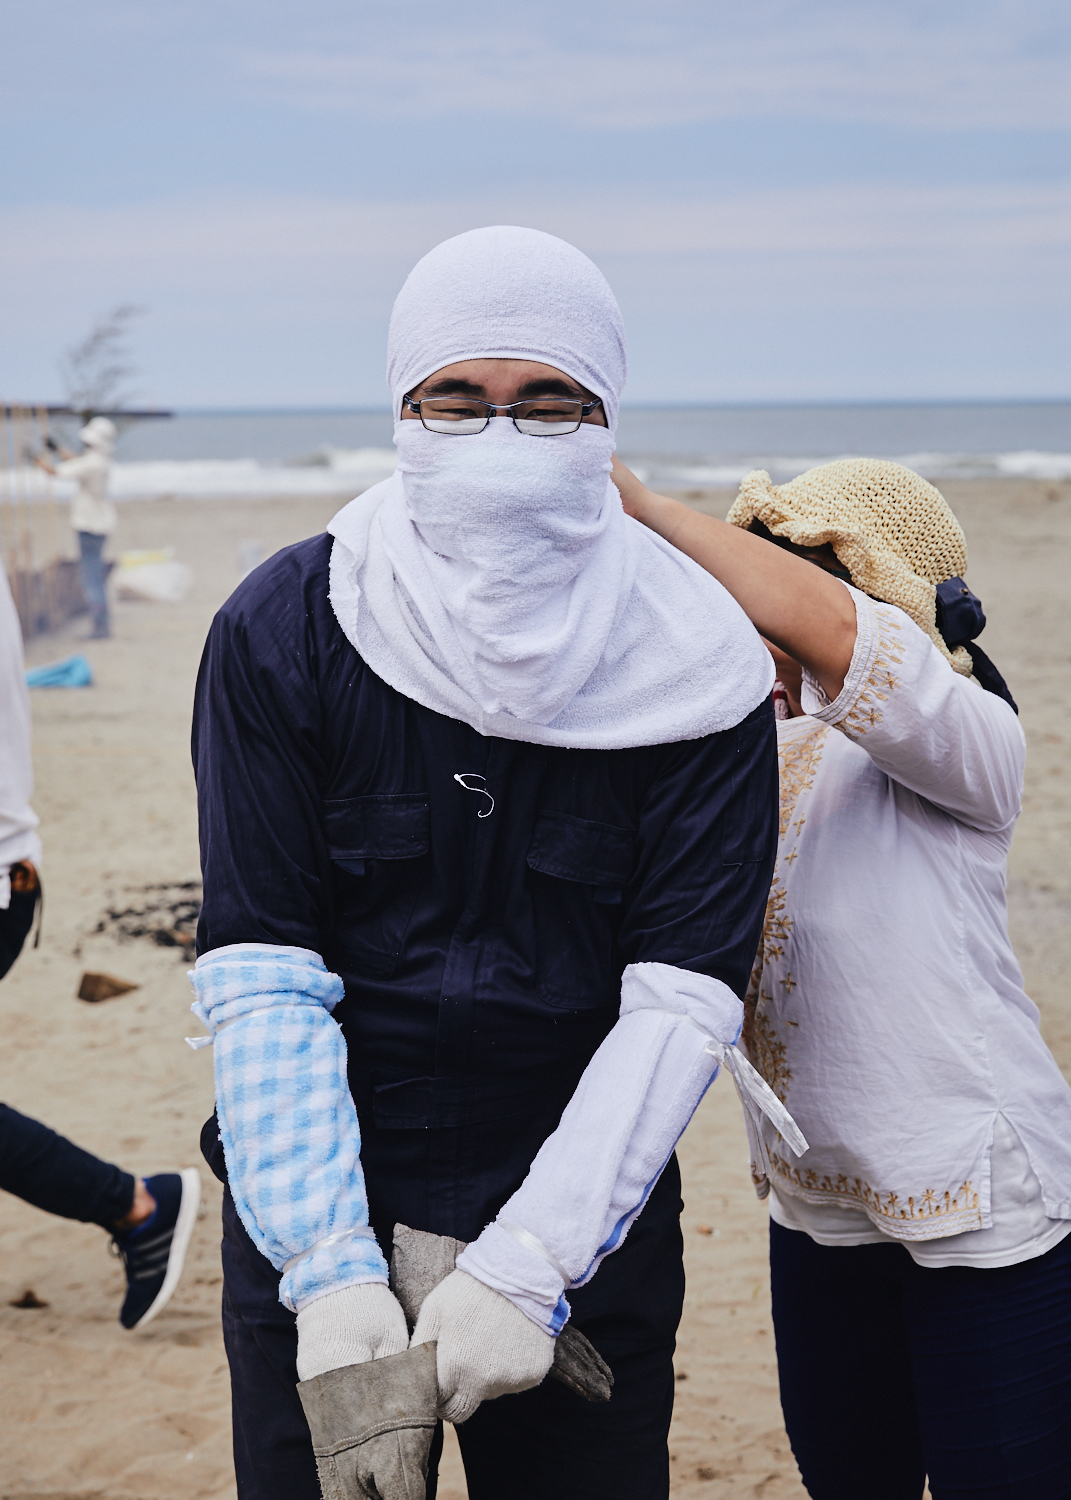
{"points": [[592, 1176], [933, 731], [18, 821]]}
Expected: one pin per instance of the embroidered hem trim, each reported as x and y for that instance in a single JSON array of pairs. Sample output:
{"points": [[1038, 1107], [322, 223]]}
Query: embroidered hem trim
{"points": [[930, 1216]]}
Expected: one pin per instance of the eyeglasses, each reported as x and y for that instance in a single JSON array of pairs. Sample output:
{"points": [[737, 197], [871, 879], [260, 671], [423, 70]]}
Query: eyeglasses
{"points": [[460, 416]]}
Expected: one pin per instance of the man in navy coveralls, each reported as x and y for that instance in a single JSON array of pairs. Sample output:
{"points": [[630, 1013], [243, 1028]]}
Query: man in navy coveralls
{"points": [[509, 860]]}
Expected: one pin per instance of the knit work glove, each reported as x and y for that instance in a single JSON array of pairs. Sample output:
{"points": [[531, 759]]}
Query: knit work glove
{"points": [[486, 1346], [422, 1260], [349, 1327]]}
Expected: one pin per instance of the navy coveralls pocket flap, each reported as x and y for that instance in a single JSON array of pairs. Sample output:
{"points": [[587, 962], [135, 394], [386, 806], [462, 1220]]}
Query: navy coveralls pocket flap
{"points": [[372, 841], [386, 825], [582, 850]]}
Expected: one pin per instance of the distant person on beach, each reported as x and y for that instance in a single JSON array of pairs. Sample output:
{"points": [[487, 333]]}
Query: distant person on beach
{"points": [[486, 847], [92, 513], [921, 1252], [151, 1220]]}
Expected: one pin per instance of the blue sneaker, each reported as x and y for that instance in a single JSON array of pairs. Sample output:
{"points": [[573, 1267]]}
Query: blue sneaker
{"points": [[153, 1253]]}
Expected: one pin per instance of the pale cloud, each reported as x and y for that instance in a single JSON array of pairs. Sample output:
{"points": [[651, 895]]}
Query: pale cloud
{"points": [[233, 162], [226, 237], [986, 65], [287, 299]]}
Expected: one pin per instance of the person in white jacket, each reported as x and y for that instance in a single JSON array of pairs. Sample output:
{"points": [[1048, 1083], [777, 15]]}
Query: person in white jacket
{"points": [[92, 513], [20, 845], [921, 1251]]}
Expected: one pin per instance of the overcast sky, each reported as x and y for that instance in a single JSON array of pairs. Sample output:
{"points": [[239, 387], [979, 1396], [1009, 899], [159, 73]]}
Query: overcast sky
{"points": [[793, 199]]}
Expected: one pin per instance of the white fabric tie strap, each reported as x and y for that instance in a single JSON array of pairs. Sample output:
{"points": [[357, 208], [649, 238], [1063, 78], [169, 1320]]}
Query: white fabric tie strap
{"points": [[343, 1237], [197, 1043], [526, 1237], [758, 1099]]}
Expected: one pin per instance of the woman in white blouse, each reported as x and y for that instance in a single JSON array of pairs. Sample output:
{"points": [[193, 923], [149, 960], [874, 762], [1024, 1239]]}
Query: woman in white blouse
{"points": [[920, 1251]]}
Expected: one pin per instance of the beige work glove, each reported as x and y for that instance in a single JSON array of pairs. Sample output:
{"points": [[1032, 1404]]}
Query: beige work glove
{"points": [[349, 1327], [421, 1260], [486, 1347]]}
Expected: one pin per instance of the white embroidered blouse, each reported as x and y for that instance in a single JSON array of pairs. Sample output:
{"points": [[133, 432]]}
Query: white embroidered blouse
{"points": [[886, 1008]]}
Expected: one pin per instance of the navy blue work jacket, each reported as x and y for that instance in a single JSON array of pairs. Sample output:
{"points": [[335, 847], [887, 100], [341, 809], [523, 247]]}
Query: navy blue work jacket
{"points": [[481, 937]]}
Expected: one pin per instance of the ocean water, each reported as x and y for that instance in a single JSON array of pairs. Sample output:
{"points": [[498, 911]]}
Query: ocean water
{"points": [[217, 454]]}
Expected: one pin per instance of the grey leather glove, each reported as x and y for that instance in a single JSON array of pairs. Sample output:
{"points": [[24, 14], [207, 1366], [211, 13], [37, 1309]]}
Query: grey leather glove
{"points": [[421, 1261], [372, 1425]]}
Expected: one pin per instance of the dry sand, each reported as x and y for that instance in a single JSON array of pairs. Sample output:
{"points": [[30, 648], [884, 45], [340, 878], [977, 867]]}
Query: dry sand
{"points": [[98, 1414]]}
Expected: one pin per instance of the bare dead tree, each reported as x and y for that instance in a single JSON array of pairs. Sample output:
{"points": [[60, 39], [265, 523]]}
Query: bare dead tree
{"points": [[96, 370]]}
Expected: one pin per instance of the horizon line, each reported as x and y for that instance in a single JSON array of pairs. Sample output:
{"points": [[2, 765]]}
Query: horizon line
{"points": [[801, 404]]}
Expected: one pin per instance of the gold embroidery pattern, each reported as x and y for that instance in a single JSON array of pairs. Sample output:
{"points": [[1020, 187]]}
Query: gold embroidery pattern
{"points": [[882, 681], [766, 1052], [798, 759], [852, 1192], [778, 924], [768, 1055]]}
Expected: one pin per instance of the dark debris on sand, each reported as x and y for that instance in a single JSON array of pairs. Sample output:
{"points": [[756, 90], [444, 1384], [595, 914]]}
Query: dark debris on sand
{"points": [[29, 1298], [163, 914]]}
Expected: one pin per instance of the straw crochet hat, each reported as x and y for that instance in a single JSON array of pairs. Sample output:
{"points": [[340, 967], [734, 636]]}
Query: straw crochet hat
{"points": [[893, 532]]}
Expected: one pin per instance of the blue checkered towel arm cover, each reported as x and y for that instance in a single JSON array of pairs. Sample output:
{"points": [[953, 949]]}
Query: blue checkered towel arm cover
{"points": [[286, 1116]]}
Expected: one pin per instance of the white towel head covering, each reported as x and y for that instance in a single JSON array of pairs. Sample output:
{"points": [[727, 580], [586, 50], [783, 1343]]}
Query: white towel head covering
{"points": [[494, 577], [508, 293]]}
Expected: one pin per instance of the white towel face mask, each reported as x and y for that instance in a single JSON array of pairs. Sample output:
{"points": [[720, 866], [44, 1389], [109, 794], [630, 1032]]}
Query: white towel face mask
{"points": [[524, 549], [495, 578]]}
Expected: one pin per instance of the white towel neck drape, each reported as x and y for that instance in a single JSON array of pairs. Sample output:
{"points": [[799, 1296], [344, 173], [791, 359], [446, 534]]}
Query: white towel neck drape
{"points": [[495, 578]]}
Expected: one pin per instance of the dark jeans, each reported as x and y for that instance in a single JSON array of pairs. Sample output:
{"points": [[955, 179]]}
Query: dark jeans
{"points": [[891, 1371], [94, 579], [52, 1173], [542, 1443], [16, 919]]}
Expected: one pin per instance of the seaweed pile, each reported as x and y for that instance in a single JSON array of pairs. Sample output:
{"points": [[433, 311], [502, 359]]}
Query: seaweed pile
{"points": [[164, 914]]}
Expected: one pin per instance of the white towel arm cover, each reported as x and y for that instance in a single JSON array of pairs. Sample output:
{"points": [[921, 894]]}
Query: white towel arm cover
{"points": [[286, 1116], [592, 1176]]}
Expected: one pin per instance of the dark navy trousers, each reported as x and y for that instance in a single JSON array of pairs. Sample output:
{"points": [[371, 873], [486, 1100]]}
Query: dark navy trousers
{"points": [[539, 1444], [57, 1176], [891, 1372]]}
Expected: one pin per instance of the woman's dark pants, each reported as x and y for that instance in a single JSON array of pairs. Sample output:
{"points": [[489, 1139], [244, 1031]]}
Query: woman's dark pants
{"points": [[52, 1173], [544, 1444], [891, 1372]]}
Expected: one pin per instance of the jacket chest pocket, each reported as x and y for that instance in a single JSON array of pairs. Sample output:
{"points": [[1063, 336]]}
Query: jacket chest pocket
{"points": [[376, 844], [578, 870]]}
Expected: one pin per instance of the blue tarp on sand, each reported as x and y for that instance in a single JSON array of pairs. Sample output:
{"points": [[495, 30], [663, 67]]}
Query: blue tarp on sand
{"points": [[72, 671]]}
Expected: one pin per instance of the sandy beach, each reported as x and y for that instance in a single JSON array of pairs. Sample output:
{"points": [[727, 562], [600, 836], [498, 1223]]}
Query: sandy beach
{"points": [[93, 1413]]}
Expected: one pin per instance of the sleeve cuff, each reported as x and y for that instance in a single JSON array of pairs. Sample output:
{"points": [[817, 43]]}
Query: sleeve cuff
{"points": [[329, 1268], [858, 702], [505, 1265], [709, 1003]]}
